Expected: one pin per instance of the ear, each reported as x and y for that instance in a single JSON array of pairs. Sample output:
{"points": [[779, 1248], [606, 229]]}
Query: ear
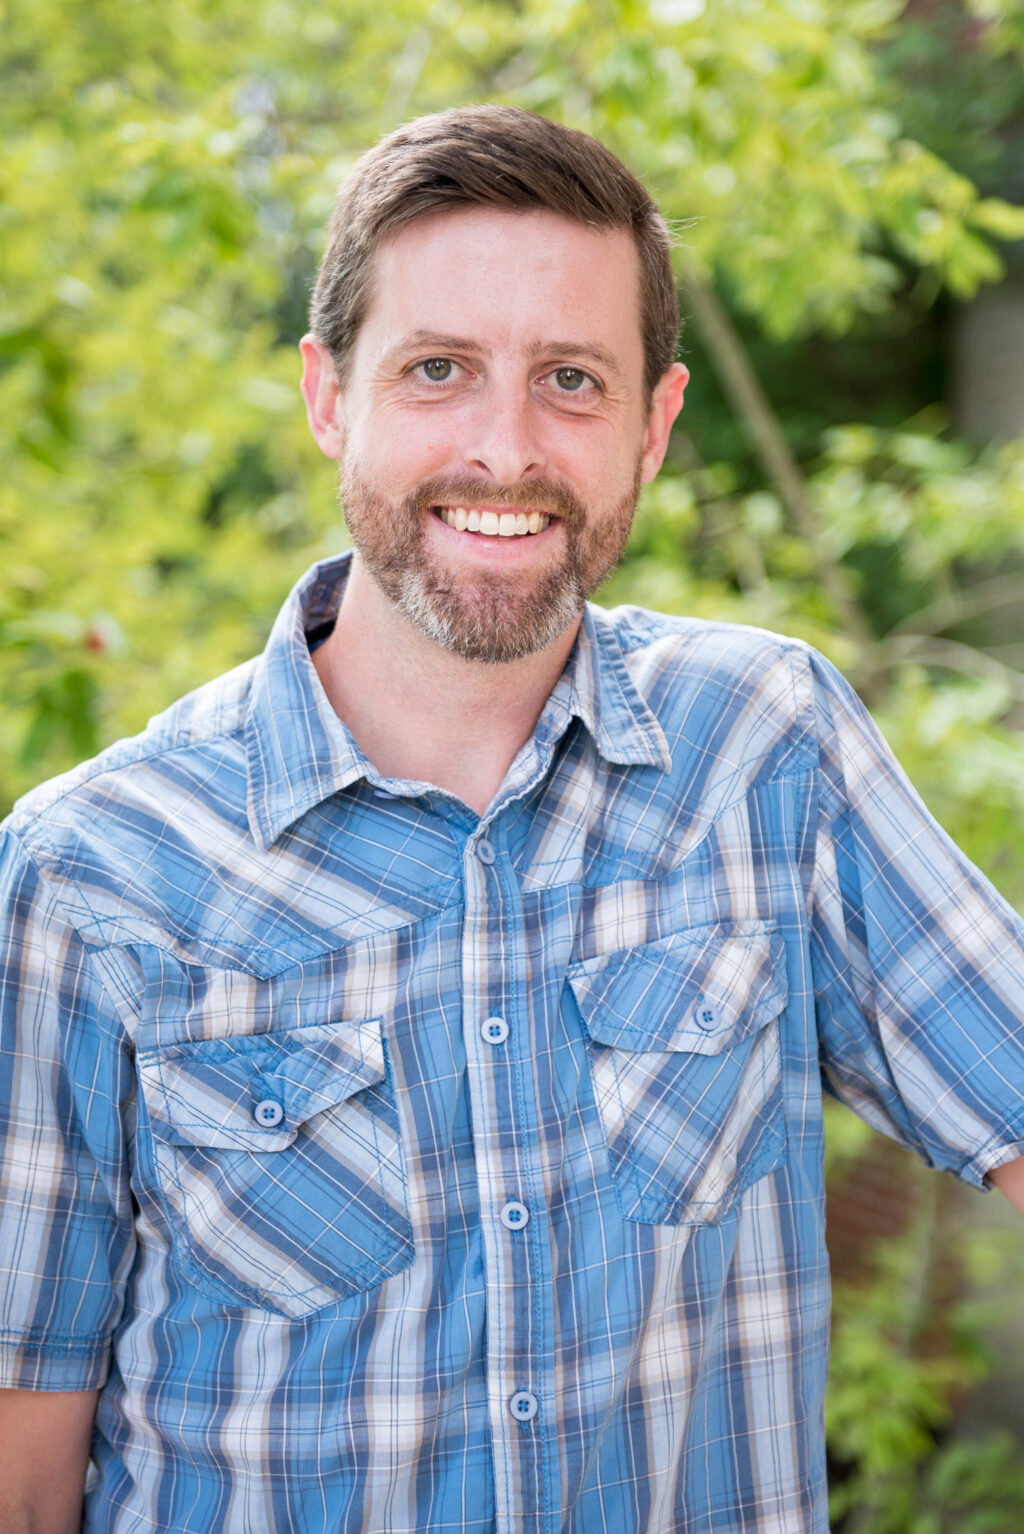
{"points": [[666, 403], [322, 393]]}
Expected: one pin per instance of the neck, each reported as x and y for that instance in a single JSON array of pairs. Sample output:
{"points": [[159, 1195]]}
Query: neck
{"points": [[419, 712]]}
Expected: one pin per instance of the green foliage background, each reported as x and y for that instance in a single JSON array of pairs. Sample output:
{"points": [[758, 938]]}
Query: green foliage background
{"points": [[836, 171]]}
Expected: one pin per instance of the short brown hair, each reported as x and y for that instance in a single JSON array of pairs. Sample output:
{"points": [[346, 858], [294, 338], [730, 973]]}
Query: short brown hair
{"points": [[490, 156]]}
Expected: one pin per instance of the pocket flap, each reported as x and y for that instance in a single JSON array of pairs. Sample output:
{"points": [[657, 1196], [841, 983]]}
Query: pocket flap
{"points": [[699, 992], [207, 1092]]}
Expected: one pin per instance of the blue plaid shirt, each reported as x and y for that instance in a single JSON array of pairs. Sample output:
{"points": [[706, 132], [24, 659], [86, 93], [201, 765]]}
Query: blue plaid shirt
{"points": [[396, 1169]]}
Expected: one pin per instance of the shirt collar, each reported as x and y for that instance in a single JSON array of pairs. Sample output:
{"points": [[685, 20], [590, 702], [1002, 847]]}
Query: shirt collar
{"points": [[599, 690], [300, 753]]}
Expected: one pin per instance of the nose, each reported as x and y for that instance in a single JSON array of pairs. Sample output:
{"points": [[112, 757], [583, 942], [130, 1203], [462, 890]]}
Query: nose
{"points": [[503, 440]]}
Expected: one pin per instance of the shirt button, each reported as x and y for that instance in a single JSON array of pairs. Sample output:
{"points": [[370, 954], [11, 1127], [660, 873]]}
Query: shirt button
{"points": [[523, 1405], [494, 1030], [268, 1114], [515, 1216], [704, 1015], [485, 852]]}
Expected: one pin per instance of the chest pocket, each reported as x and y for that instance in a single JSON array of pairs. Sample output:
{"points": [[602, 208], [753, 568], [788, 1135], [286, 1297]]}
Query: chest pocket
{"points": [[278, 1162], [685, 1058]]}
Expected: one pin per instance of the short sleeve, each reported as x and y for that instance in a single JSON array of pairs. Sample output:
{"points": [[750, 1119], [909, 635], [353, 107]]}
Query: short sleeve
{"points": [[918, 962], [66, 1095]]}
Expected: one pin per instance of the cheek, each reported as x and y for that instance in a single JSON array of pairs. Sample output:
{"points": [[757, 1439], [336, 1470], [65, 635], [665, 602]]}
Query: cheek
{"points": [[409, 448], [595, 461]]}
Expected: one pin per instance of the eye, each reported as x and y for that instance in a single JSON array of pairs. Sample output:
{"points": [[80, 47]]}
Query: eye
{"points": [[571, 380], [437, 369]]}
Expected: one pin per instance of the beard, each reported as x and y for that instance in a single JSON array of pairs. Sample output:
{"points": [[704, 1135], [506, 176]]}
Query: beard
{"points": [[497, 615]]}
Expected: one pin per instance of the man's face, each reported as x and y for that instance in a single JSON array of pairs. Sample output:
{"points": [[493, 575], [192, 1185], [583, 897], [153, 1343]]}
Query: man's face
{"points": [[491, 429]]}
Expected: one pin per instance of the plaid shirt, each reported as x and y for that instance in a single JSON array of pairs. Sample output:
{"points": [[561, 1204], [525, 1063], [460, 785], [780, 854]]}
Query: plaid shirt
{"points": [[401, 1170]]}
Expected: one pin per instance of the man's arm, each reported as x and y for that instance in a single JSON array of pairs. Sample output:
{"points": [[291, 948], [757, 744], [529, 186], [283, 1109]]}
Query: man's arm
{"points": [[1009, 1179], [44, 1454], [66, 1219]]}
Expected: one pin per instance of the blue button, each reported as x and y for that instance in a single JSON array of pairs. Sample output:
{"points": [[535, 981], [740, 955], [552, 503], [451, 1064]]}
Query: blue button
{"points": [[269, 1113], [485, 852], [704, 1015], [515, 1216], [494, 1030], [523, 1405]]}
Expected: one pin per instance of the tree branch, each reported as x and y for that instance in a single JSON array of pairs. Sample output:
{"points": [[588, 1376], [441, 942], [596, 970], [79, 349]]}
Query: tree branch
{"points": [[743, 389]]}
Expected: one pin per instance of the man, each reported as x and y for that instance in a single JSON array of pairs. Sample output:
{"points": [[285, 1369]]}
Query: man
{"points": [[414, 1039]]}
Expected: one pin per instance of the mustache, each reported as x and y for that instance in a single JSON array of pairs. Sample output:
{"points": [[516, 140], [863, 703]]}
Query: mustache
{"points": [[538, 495]]}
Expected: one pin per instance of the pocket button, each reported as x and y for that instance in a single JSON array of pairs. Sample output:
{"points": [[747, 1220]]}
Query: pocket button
{"points": [[268, 1113], [704, 1015]]}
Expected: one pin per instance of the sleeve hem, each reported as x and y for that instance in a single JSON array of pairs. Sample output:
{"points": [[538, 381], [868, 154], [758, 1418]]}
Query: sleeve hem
{"points": [[29, 1365], [992, 1156]]}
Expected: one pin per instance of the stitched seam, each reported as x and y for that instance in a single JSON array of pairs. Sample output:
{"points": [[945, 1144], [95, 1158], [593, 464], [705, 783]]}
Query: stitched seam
{"points": [[45, 1339]]}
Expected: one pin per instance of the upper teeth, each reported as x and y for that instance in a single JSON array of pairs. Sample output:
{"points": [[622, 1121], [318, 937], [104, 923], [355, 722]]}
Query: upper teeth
{"points": [[509, 524]]}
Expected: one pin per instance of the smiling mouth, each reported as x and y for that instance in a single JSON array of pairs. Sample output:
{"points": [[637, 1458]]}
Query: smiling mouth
{"points": [[493, 524]]}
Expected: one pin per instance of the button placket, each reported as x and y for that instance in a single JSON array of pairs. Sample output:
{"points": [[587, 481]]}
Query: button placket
{"points": [[495, 964]]}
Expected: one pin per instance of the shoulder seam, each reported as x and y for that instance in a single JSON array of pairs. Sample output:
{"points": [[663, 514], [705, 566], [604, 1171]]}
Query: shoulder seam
{"points": [[59, 908], [24, 815]]}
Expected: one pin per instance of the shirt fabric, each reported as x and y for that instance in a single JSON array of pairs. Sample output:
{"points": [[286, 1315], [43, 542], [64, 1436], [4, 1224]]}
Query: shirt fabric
{"points": [[394, 1168]]}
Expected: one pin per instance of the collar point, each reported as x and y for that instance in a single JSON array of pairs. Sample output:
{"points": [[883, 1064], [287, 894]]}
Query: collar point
{"points": [[263, 833]]}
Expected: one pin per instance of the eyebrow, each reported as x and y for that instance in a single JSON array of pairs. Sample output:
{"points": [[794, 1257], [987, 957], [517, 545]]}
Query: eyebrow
{"points": [[581, 351]]}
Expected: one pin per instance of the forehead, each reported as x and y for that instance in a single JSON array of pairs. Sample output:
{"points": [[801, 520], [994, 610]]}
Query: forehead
{"points": [[503, 277]]}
